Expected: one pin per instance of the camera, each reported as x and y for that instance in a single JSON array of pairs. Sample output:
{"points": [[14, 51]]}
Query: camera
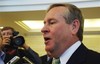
{"points": [[16, 40]]}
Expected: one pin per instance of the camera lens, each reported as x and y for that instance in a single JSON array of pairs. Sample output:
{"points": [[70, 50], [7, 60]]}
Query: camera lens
{"points": [[19, 40]]}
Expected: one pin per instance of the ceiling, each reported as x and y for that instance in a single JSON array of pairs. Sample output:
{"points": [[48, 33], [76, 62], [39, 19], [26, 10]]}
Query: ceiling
{"points": [[9, 18]]}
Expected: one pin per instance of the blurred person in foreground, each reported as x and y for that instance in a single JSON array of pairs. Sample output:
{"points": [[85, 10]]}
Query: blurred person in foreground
{"points": [[26, 55], [63, 35], [2, 54]]}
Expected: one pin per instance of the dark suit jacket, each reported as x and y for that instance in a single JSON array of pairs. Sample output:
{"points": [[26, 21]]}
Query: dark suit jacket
{"points": [[45, 60], [83, 56]]}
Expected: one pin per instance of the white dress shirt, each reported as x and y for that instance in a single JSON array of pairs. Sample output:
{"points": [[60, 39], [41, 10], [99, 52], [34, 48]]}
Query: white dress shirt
{"points": [[68, 53]]}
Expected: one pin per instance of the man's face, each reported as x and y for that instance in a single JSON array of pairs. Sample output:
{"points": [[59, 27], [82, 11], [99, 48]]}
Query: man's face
{"points": [[56, 31], [6, 34]]}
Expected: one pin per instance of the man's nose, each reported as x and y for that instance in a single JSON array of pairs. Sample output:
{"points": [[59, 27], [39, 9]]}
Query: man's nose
{"points": [[45, 29]]}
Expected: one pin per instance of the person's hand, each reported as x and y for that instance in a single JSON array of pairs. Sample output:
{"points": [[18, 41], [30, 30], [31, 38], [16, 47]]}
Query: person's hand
{"points": [[4, 41], [25, 46], [0, 43]]}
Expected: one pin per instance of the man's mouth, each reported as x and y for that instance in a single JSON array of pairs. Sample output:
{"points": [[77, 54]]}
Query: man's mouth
{"points": [[46, 39]]}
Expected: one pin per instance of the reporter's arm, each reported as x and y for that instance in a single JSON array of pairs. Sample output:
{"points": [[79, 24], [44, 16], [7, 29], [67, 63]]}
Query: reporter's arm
{"points": [[32, 55]]}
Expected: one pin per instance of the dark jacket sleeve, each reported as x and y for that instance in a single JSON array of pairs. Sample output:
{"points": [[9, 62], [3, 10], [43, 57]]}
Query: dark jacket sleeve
{"points": [[33, 56]]}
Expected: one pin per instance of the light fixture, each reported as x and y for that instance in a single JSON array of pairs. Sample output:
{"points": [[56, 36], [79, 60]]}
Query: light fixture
{"points": [[1, 27], [34, 24], [92, 23], [31, 25]]}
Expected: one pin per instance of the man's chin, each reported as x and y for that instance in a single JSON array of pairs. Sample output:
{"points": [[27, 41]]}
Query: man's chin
{"points": [[49, 49]]}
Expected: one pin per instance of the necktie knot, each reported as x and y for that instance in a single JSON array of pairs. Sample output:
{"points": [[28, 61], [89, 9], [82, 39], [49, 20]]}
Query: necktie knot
{"points": [[56, 61]]}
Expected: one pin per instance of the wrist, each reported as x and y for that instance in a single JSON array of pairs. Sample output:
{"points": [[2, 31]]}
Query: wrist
{"points": [[25, 46]]}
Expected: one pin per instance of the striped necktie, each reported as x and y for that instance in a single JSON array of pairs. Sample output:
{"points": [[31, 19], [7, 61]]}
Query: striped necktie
{"points": [[56, 61]]}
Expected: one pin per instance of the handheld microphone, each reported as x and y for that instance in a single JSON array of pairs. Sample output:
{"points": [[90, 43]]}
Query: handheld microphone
{"points": [[13, 60]]}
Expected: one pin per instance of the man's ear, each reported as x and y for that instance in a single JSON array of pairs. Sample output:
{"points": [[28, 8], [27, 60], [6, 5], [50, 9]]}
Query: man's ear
{"points": [[75, 26]]}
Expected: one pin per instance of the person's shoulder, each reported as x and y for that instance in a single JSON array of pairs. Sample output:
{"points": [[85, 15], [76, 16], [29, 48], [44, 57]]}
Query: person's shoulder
{"points": [[90, 55], [43, 56], [93, 56], [94, 53]]}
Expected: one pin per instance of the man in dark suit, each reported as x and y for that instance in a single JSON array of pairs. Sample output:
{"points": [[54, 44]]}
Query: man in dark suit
{"points": [[63, 35]]}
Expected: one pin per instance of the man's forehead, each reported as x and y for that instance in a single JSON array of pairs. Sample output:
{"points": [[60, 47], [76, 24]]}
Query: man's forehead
{"points": [[9, 30]]}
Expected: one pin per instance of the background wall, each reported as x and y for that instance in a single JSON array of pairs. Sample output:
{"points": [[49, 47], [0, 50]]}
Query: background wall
{"points": [[36, 43], [92, 42]]}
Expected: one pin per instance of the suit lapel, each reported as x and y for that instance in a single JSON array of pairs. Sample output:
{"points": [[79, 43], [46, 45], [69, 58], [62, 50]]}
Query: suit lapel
{"points": [[78, 56], [45, 60], [50, 61]]}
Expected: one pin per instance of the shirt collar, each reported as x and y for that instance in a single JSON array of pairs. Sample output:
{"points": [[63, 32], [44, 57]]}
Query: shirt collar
{"points": [[68, 53], [2, 55]]}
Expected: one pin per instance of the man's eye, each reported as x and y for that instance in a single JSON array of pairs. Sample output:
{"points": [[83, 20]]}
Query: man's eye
{"points": [[52, 22]]}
